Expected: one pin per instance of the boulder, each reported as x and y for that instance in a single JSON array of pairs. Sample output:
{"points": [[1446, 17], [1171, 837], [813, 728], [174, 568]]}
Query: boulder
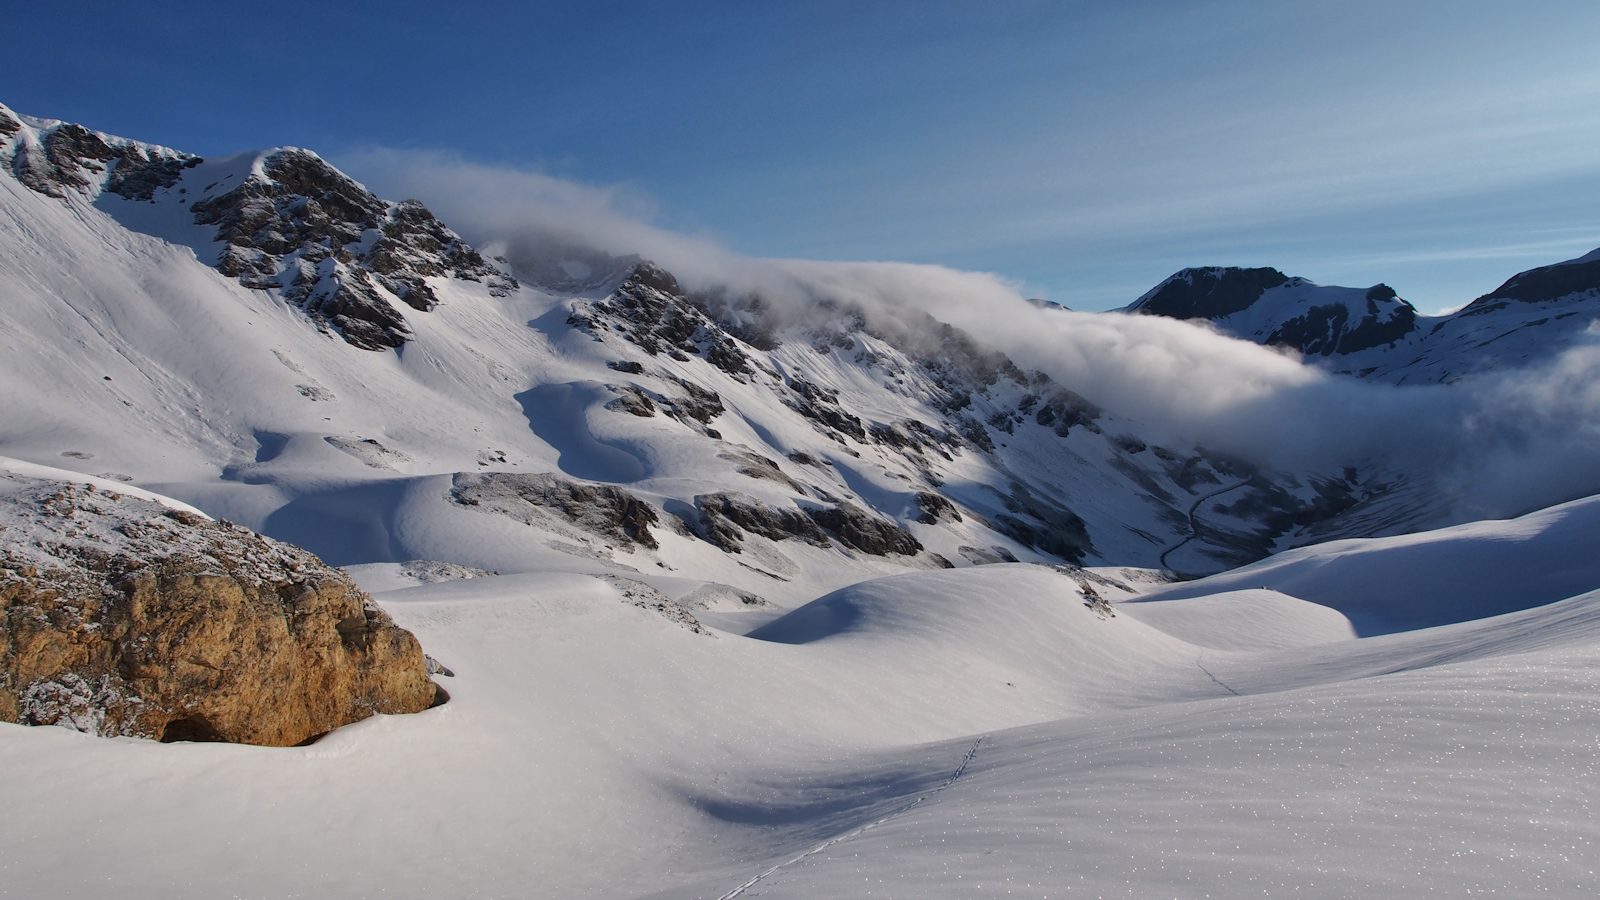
{"points": [[122, 616]]}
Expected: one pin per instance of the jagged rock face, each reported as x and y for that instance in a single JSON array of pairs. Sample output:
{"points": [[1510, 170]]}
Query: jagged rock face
{"points": [[1208, 293], [119, 616], [599, 509], [68, 156], [650, 310], [856, 528], [328, 245], [933, 508], [295, 226], [725, 517]]}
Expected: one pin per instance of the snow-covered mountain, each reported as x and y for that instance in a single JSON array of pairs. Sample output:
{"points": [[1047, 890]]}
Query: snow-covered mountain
{"points": [[265, 337], [1373, 333], [736, 602]]}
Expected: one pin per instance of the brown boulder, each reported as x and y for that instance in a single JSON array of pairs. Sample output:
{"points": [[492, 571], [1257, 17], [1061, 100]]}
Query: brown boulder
{"points": [[121, 616]]}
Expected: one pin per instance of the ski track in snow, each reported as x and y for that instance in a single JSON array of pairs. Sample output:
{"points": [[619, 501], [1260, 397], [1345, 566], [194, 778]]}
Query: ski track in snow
{"points": [[1194, 523], [862, 829], [1200, 661]]}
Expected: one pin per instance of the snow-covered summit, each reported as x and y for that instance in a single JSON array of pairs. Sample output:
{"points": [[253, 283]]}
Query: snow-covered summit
{"points": [[281, 220], [1373, 333], [1268, 307]]}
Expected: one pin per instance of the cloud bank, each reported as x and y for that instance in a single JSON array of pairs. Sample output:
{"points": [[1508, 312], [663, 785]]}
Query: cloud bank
{"points": [[1501, 444]]}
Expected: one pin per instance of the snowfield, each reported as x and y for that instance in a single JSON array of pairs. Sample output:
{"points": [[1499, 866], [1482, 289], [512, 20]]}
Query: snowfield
{"points": [[868, 675], [977, 732]]}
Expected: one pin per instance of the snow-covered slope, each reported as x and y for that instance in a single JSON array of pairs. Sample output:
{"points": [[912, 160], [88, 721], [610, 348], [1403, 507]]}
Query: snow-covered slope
{"points": [[1477, 570], [935, 734], [183, 329], [685, 560]]}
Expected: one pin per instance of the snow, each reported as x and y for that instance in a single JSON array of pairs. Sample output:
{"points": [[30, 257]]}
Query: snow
{"points": [[790, 721], [595, 748], [1471, 571]]}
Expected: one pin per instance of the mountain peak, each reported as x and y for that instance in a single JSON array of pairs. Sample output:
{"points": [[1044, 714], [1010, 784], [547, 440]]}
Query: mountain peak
{"points": [[1544, 284], [1208, 292], [287, 221], [1268, 307]]}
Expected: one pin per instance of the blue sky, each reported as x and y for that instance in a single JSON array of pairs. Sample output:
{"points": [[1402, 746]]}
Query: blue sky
{"points": [[1084, 150]]}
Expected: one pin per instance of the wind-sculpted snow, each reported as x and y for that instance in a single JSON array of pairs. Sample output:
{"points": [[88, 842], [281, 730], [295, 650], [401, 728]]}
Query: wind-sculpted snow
{"points": [[1469, 571]]}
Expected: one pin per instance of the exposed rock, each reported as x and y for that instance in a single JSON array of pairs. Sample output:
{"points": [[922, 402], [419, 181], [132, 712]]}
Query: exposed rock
{"points": [[821, 404], [1061, 410], [754, 465], [637, 593], [1327, 330], [1044, 526], [697, 404], [631, 400], [119, 616], [1208, 293], [860, 530], [724, 517], [914, 436], [934, 508], [331, 247], [650, 310], [1541, 285], [597, 509]]}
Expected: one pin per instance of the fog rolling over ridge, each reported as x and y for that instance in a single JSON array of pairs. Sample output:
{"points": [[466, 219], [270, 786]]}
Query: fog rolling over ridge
{"points": [[1511, 440]]}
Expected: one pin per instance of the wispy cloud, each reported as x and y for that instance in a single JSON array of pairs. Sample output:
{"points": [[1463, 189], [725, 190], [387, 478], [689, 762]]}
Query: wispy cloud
{"points": [[1532, 431]]}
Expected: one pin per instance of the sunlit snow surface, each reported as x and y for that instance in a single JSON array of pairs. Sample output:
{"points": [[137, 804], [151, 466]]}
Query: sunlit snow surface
{"points": [[595, 748], [987, 731]]}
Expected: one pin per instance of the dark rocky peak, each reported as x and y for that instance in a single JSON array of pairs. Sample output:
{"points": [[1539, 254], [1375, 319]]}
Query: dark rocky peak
{"points": [[328, 245], [1543, 285], [1208, 293], [55, 157]]}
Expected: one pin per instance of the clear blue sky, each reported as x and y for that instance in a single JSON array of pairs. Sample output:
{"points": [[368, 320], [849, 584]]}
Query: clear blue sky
{"points": [[1085, 150]]}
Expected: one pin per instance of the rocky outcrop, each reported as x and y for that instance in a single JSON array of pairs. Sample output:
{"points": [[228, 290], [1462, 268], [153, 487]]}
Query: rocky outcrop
{"points": [[596, 509], [860, 530], [725, 517], [934, 508], [67, 157], [120, 616], [1337, 328], [329, 246], [293, 225], [653, 312]]}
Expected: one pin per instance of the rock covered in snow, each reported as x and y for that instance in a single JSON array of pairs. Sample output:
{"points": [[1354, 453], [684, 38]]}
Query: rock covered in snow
{"points": [[124, 616]]}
